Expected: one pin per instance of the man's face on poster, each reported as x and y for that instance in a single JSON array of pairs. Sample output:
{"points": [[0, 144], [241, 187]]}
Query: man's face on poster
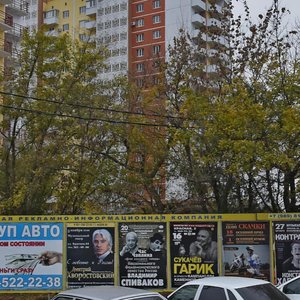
{"points": [[203, 237], [101, 245], [156, 245], [131, 241], [296, 251]]}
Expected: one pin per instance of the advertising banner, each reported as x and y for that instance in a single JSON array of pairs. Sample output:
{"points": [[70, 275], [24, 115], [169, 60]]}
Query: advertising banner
{"points": [[287, 245], [31, 256], [246, 249], [90, 254], [194, 251], [142, 254]]}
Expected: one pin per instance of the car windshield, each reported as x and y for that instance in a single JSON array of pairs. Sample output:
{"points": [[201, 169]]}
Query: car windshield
{"points": [[262, 292]]}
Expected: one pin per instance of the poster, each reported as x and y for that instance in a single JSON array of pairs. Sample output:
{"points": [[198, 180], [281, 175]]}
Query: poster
{"points": [[246, 249], [90, 254], [287, 248], [31, 256], [194, 251], [142, 255]]}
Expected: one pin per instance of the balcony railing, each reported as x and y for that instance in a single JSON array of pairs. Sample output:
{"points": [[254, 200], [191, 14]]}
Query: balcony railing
{"points": [[5, 48], [18, 7], [17, 31], [6, 20]]}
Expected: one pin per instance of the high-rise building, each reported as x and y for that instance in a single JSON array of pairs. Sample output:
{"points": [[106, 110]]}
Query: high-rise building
{"points": [[10, 28], [135, 31]]}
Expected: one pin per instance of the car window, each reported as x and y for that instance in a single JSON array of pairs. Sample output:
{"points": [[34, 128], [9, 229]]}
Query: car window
{"points": [[262, 292], [63, 298], [187, 292], [230, 295], [148, 298], [212, 292], [292, 287]]}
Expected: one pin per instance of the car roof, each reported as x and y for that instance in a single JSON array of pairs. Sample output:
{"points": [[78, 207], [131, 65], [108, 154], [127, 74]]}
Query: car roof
{"points": [[106, 292], [233, 282]]}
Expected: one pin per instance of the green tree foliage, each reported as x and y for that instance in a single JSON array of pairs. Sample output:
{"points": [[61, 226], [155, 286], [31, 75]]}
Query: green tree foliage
{"points": [[244, 152]]}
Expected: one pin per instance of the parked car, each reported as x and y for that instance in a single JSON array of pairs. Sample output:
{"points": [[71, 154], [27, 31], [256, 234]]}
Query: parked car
{"points": [[291, 288], [227, 288], [107, 293]]}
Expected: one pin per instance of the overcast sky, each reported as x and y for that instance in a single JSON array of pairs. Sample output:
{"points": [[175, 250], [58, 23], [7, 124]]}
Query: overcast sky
{"points": [[259, 6]]}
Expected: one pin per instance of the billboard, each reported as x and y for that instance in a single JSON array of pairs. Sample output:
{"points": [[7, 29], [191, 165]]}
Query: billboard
{"points": [[287, 247], [194, 251], [142, 255], [246, 249], [31, 256], [90, 254]]}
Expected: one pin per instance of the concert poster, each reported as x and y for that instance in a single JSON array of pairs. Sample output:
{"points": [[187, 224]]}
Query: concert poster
{"points": [[246, 249], [194, 251]]}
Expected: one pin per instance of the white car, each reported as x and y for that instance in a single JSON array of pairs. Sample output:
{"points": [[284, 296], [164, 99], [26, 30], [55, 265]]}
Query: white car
{"points": [[227, 288], [107, 293], [291, 288]]}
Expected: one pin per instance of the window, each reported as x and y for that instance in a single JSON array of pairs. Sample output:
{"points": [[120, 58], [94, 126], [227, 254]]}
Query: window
{"points": [[65, 27], [123, 51], [212, 292], [108, 10], [123, 36], [156, 3], [123, 21], [140, 67], [66, 14], [140, 22], [82, 9], [123, 6], [115, 8], [262, 292], [140, 52], [140, 7], [156, 34], [156, 49], [187, 292], [156, 19], [140, 37], [82, 24], [292, 287]]}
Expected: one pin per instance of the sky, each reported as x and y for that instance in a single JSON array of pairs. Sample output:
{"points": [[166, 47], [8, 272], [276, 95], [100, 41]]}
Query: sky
{"points": [[259, 6]]}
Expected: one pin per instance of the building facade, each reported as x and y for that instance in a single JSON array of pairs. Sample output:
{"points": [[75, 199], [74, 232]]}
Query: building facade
{"points": [[11, 12], [136, 32]]}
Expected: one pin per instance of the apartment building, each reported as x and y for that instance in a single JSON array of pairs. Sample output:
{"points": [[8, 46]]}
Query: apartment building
{"points": [[10, 28], [135, 31]]}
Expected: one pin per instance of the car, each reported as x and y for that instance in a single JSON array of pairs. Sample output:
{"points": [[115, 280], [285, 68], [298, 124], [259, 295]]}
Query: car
{"points": [[291, 288], [107, 293], [227, 288]]}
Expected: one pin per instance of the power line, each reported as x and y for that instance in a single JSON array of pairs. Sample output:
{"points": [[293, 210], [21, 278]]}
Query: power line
{"points": [[39, 112], [92, 107]]}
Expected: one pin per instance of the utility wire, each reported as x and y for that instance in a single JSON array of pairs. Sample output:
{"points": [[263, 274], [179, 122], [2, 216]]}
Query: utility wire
{"points": [[92, 107], [39, 112]]}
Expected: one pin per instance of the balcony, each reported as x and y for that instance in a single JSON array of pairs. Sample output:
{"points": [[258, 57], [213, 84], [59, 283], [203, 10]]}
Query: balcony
{"points": [[197, 19], [91, 8], [6, 21], [5, 48], [16, 32], [18, 8], [6, 1], [90, 24], [198, 5], [51, 17]]}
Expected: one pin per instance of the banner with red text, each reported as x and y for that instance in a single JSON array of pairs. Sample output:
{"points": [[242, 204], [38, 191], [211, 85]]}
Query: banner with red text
{"points": [[246, 249]]}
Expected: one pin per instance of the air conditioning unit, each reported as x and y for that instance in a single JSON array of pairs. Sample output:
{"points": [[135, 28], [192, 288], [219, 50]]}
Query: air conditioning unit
{"points": [[133, 23]]}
